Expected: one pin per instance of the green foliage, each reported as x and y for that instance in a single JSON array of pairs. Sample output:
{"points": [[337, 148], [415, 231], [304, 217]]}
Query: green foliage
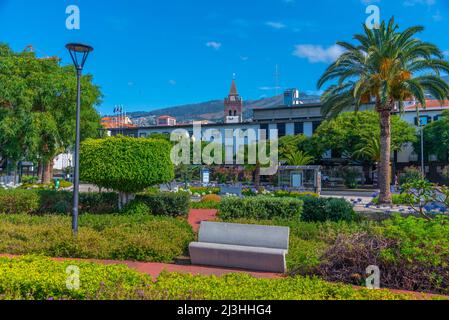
{"points": [[37, 107], [204, 190], [115, 237], [350, 176], [205, 205], [245, 287], [14, 201], [327, 209], [410, 174], [126, 164], [36, 278], [420, 193], [166, 203], [398, 199], [261, 208], [436, 137], [298, 158], [426, 242], [294, 194], [136, 208], [352, 134]]}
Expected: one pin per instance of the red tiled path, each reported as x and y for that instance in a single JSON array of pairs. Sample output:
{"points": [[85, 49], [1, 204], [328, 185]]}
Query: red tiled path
{"points": [[196, 216]]}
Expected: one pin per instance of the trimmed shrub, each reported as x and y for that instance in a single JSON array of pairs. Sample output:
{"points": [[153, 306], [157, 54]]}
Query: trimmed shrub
{"points": [[18, 201], [166, 203], [261, 208], [37, 278], [137, 163], [113, 237], [327, 209], [136, 208], [294, 194], [61, 202], [206, 190], [205, 205]]}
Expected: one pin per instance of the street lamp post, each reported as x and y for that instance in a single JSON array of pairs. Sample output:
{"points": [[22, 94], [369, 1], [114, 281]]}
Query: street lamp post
{"points": [[79, 54], [423, 170]]}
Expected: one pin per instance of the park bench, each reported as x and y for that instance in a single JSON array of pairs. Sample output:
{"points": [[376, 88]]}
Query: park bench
{"points": [[251, 247]]}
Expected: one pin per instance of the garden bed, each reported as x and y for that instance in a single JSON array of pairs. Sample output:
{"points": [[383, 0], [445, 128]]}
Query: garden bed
{"points": [[37, 278], [141, 238]]}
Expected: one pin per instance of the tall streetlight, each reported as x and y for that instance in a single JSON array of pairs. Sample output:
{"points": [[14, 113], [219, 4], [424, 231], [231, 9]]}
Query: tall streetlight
{"points": [[79, 54]]}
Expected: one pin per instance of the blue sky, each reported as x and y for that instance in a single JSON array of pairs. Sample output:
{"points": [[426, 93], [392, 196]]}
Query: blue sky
{"points": [[151, 54]]}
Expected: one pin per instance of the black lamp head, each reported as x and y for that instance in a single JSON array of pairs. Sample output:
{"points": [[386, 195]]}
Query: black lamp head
{"points": [[79, 53]]}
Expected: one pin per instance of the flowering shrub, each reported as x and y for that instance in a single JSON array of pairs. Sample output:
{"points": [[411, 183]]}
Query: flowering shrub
{"points": [[211, 198]]}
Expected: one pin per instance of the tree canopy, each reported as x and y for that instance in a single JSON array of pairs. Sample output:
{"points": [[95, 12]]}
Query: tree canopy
{"points": [[125, 164], [436, 138], [351, 132], [38, 107]]}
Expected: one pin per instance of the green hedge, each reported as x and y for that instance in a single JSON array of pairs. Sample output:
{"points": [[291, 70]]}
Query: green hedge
{"points": [[116, 237], [261, 208], [327, 209], [37, 278], [126, 164], [166, 203], [47, 201], [18, 201]]}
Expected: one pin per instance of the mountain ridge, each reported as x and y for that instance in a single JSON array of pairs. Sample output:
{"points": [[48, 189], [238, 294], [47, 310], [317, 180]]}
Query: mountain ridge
{"points": [[209, 110]]}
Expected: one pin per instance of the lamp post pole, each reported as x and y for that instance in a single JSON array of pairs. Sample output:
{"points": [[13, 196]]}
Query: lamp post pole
{"points": [[77, 52], [423, 170], [76, 182]]}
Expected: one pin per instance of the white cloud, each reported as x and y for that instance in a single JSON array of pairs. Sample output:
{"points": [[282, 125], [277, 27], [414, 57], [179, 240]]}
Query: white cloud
{"points": [[172, 82], [275, 25], [214, 45], [244, 58], [446, 53], [316, 54]]}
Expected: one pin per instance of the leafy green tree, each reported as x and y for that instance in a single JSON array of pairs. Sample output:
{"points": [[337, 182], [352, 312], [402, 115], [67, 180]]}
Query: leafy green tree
{"points": [[436, 138], [350, 132], [385, 67], [39, 97], [124, 164], [298, 158]]}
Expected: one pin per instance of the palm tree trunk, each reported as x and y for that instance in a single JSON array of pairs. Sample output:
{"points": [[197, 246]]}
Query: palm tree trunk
{"points": [[385, 157]]}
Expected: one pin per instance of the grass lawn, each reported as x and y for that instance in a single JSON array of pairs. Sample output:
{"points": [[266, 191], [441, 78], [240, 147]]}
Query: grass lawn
{"points": [[142, 238]]}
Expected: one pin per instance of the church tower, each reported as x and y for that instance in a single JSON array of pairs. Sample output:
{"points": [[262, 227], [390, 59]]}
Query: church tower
{"points": [[233, 106]]}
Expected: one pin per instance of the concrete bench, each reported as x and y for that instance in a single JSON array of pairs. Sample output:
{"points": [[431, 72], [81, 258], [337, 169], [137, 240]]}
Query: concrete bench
{"points": [[252, 247]]}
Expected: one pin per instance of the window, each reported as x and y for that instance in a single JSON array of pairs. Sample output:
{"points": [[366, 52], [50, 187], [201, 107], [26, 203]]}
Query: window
{"points": [[438, 117], [299, 128], [230, 113], [281, 130], [424, 120]]}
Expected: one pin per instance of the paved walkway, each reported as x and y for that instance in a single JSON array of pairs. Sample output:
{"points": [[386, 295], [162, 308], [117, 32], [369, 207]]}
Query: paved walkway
{"points": [[196, 216]]}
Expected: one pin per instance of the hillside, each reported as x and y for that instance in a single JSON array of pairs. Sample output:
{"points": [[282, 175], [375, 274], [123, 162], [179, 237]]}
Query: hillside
{"points": [[210, 110]]}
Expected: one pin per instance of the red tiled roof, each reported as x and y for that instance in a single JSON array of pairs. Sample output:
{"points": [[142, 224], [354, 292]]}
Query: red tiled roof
{"points": [[430, 104]]}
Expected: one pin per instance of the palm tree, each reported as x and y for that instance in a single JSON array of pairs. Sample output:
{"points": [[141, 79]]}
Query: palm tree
{"points": [[369, 149], [298, 158], [385, 68]]}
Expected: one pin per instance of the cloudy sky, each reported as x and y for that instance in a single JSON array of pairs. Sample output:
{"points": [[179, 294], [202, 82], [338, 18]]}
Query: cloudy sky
{"points": [[151, 54]]}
